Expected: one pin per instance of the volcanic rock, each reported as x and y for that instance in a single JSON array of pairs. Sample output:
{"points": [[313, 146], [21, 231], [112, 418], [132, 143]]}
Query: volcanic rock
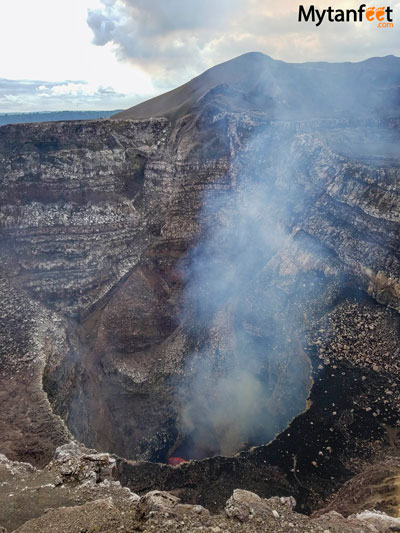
{"points": [[101, 224], [75, 506]]}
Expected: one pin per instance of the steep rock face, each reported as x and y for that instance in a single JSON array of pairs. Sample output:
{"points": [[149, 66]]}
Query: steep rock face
{"points": [[101, 224], [58, 253], [89, 249]]}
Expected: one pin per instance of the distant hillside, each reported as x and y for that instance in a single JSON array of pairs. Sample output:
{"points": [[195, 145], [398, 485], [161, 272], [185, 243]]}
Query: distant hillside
{"points": [[256, 82], [52, 116]]}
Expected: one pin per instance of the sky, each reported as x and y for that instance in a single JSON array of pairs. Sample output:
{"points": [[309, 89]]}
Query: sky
{"points": [[111, 54]]}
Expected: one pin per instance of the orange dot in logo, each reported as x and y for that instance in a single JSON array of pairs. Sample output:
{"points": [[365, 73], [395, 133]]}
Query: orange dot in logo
{"points": [[380, 13], [370, 13]]}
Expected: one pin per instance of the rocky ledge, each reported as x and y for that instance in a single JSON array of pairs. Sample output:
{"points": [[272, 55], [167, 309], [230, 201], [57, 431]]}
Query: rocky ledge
{"points": [[77, 493]]}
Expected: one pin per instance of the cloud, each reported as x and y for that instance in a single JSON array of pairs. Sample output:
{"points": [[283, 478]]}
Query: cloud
{"points": [[18, 87], [178, 39], [163, 37], [75, 88], [38, 95]]}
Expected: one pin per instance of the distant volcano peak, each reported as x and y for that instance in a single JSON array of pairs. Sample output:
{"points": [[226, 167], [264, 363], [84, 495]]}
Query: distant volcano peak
{"points": [[256, 82]]}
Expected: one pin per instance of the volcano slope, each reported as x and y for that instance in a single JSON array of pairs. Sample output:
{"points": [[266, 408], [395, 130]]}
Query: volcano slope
{"points": [[178, 280]]}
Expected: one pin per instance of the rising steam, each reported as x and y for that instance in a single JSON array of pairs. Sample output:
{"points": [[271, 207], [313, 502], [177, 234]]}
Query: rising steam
{"points": [[247, 377]]}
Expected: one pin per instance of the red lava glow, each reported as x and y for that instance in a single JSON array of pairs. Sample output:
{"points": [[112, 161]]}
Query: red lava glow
{"points": [[175, 461]]}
